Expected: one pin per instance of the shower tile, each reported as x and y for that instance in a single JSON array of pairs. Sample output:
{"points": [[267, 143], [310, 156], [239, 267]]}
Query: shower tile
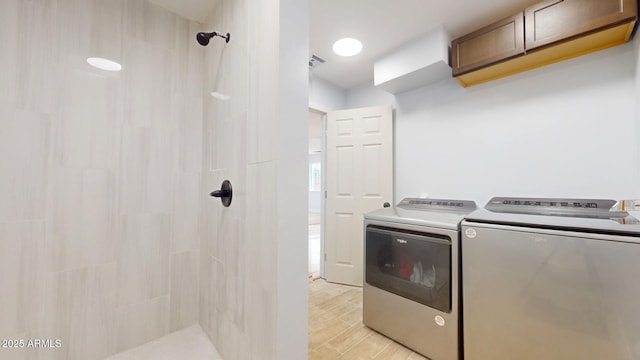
{"points": [[234, 300], [21, 276], [135, 153], [107, 30], [211, 128], [237, 78], [204, 303], [195, 65], [212, 290], [186, 114], [213, 214], [262, 105], [260, 319], [72, 40], [147, 84], [229, 150], [260, 281], [88, 123], [151, 23], [191, 141], [146, 175], [81, 222], [183, 301], [261, 229], [160, 172], [8, 40], [134, 18], [80, 312], [188, 60], [143, 259], [24, 145], [187, 196], [232, 239], [183, 39], [239, 26], [223, 141], [34, 84], [141, 322], [263, 98]]}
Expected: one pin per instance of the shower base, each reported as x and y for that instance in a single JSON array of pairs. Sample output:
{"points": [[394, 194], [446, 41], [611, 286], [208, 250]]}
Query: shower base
{"points": [[190, 343]]}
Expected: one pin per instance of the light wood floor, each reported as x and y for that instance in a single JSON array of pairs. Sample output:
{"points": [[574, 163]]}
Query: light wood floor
{"points": [[336, 330]]}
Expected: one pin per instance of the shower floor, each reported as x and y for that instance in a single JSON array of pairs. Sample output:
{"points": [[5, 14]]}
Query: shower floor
{"points": [[190, 343]]}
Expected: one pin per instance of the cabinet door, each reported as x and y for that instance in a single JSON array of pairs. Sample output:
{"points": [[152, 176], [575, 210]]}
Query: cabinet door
{"points": [[497, 42], [554, 20]]}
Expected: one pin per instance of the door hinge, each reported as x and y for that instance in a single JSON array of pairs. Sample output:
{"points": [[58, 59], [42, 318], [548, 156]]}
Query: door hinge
{"points": [[325, 194], [325, 257]]}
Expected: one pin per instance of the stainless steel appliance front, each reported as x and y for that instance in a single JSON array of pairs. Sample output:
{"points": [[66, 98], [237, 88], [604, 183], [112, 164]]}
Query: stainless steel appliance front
{"points": [[411, 274], [552, 283]]}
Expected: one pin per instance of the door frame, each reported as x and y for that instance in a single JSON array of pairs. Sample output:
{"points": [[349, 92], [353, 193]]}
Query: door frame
{"points": [[323, 165], [323, 190]]}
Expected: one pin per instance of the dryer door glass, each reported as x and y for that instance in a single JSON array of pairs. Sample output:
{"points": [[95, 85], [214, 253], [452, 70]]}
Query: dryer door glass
{"points": [[414, 265]]}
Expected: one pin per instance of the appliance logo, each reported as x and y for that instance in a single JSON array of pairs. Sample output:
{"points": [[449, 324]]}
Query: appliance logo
{"points": [[470, 233], [439, 320], [401, 241]]}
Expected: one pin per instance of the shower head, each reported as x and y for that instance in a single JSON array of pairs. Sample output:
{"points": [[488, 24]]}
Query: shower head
{"points": [[203, 38]]}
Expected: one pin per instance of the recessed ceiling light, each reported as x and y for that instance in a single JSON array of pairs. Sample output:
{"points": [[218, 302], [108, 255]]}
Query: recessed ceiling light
{"points": [[347, 47], [104, 64]]}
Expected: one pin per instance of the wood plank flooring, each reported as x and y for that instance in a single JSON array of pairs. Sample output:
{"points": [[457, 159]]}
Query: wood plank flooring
{"points": [[336, 331]]}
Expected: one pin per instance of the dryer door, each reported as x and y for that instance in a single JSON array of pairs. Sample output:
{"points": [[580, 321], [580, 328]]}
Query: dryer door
{"points": [[414, 265]]}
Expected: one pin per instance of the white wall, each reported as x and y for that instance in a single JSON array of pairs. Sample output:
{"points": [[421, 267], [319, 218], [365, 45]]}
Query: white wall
{"points": [[366, 94], [291, 181], [324, 96], [565, 130]]}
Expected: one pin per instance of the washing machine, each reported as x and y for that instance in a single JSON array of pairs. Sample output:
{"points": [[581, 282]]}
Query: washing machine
{"points": [[551, 279], [411, 288]]}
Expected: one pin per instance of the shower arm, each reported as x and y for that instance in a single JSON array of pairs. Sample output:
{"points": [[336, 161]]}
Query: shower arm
{"points": [[203, 37], [227, 37]]}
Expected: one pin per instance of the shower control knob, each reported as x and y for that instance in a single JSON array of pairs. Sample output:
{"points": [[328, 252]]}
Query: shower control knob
{"points": [[386, 204], [225, 193]]}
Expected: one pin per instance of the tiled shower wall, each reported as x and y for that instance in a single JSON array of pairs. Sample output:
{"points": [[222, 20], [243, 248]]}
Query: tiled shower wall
{"points": [[238, 259], [253, 284], [100, 176]]}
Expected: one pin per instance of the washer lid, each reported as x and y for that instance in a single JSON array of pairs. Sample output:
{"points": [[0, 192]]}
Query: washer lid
{"points": [[438, 213], [586, 215]]}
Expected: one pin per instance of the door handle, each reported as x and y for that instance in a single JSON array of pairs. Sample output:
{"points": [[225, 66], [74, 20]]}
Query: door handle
{"points": [[225, 193]]}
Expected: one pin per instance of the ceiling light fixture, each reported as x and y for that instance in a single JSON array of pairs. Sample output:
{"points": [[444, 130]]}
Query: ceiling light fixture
{"points": [[104, 64], [347, 47]]}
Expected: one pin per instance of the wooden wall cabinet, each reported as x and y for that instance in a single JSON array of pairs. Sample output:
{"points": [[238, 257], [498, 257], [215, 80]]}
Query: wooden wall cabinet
{"points": [[552, 30], [497, 42], [562, 20]]}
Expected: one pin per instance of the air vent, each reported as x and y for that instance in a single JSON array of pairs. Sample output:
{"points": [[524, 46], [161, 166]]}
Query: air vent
{"points": [[315, 61]]}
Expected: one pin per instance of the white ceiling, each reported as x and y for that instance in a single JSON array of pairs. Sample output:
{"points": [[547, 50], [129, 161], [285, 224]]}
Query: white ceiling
{"points": [[381, 25]]}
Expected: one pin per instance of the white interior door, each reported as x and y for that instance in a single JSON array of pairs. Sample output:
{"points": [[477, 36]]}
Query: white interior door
{"points": [[359, 168]]}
